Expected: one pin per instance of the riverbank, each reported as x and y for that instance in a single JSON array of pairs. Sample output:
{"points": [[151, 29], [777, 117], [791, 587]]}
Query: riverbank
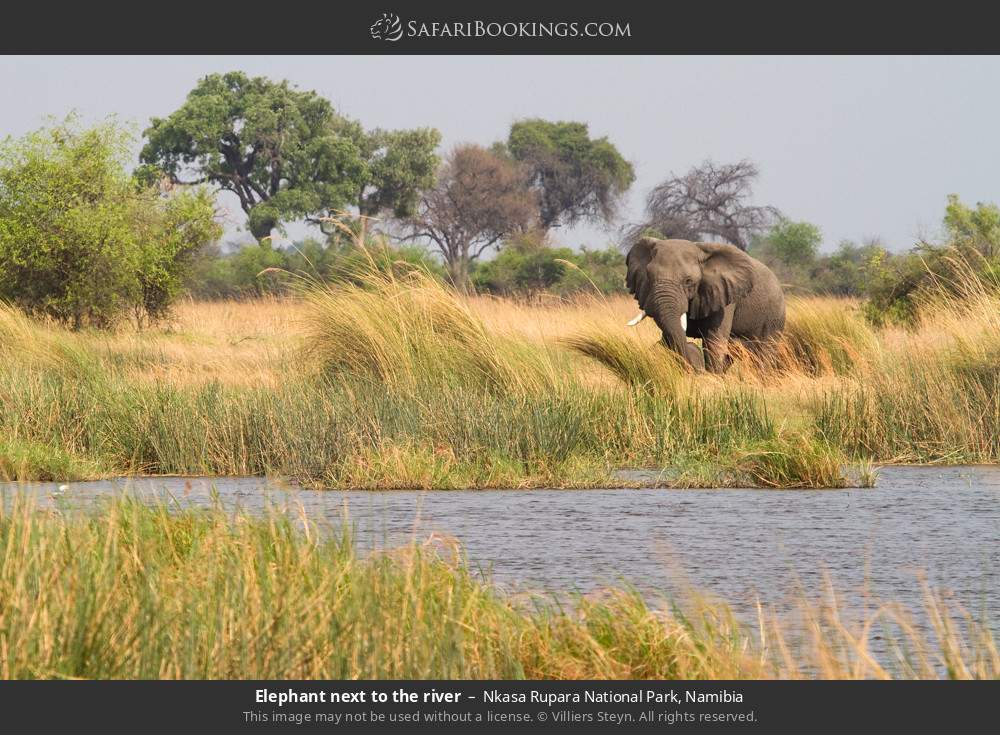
{"points": [[139, 591], [403, 384]]}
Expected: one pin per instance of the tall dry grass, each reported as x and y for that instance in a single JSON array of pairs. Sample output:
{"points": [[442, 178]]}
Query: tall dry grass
{"points": [[400, 382], [825, 336], [413, 338], [140, 592], [931, 393], [446, 412], [405, 331]]}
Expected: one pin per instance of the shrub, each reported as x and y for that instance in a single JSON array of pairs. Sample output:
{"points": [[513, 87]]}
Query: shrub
{"points": [[84, 242], [600, 269], [847, 271], [524, 265], [971, 246], [528, 265], [341, 260]]}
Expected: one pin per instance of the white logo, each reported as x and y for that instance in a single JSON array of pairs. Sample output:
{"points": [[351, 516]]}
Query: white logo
{"points": [[387, 28]]}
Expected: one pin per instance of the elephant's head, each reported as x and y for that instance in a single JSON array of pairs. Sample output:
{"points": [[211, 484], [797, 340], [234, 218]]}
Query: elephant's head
{"points": [[677, 280]]}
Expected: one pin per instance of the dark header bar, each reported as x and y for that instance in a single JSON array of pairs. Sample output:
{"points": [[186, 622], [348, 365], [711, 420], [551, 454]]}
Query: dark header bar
{"points": [[503, 28]]}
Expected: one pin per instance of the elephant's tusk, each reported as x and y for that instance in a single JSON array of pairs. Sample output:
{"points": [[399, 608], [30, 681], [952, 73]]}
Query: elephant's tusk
{"points": [[638, 318], [684, 322]]}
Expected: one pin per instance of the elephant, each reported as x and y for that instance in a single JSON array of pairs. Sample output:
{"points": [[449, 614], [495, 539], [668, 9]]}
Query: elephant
{"points": [[710, 290]]}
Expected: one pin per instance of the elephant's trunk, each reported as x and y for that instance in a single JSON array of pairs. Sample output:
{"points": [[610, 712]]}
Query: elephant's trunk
{"points": [[670, 316]]}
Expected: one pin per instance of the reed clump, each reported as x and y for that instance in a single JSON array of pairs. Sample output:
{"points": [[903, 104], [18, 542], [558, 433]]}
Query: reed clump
{"points": [[409, 330]]}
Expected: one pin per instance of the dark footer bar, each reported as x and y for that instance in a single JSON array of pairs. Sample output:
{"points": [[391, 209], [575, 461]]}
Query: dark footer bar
{"points": [[231, 706]]}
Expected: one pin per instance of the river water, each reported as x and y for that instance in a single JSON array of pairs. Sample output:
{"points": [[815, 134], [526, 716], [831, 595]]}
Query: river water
{"points": [[939, 524]]}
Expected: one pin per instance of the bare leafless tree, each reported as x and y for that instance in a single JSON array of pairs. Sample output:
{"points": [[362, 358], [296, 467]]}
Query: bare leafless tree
{"points": [[709, 201], [479, 199]]}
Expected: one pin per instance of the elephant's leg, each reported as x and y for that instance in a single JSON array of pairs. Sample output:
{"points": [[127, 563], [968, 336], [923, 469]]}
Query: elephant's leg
{"points": [[696, 356], [715, 335]]}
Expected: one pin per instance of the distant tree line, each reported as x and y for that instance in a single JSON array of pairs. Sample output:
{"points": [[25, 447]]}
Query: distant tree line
{"points": [[524, 266], [86, 240]]}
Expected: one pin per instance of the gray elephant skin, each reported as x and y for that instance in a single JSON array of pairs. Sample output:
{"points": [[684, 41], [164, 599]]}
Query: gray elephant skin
{"points": [[706, 290]]}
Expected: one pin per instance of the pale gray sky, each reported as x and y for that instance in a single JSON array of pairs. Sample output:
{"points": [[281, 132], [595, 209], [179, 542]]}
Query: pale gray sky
{"points": [[861, 146]]}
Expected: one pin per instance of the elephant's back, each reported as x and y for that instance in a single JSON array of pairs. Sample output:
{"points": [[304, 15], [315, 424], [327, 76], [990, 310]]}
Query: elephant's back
{"points": [[762, 313]]}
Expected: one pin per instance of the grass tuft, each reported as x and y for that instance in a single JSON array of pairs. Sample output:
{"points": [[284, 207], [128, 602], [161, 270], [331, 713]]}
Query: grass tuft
{"points": [[409, 331], [651, 367], [825, 337]]}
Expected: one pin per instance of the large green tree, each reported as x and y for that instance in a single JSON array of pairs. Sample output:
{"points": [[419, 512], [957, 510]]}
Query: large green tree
{"points": [[577, 177], [278, 149], [287, 154], [397, 166]]}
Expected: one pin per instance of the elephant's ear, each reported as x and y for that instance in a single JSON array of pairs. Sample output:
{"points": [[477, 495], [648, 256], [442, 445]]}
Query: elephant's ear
{"points": [[636, 273], [726, 275]]}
